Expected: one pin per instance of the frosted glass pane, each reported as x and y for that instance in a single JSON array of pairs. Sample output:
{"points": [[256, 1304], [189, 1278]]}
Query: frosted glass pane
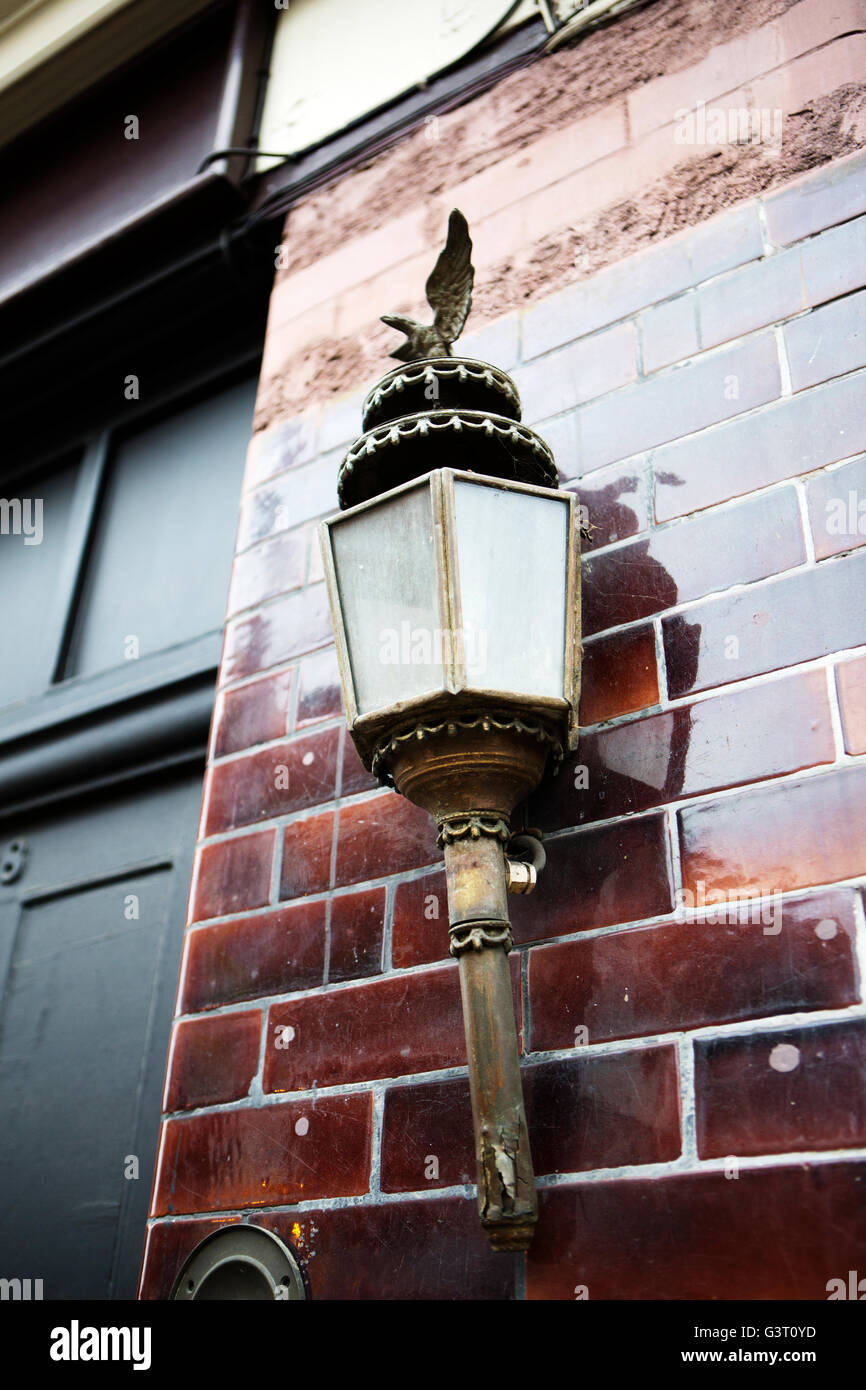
{"points": [[512, 561], [160, 565], [385, 565]]}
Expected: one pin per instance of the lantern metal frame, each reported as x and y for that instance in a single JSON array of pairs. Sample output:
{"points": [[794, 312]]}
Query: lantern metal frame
{"points": [[457, 694]]}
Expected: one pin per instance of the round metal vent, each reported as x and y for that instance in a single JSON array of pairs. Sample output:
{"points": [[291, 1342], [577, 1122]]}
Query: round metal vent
{"points": [[240, 1262]]}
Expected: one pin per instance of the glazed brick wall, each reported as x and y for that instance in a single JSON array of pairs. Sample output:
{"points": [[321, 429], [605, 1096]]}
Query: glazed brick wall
{"points": [[693, 1072], [566, 168]]}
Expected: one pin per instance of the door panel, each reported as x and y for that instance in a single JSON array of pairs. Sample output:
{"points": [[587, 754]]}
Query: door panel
{"points": [[158, 572], [32, 552], [92, 943]]}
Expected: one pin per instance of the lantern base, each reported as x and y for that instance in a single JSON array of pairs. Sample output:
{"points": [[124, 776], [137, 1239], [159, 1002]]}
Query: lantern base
{"points": [[489, 760]]}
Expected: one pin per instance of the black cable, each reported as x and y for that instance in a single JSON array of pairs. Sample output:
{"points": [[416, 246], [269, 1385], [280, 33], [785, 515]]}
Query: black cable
{"points": [[242, 149], [278, 203]]}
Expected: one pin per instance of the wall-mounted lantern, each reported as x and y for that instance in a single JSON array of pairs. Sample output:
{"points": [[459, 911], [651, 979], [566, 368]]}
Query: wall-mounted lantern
{"points": [[453, 577]]}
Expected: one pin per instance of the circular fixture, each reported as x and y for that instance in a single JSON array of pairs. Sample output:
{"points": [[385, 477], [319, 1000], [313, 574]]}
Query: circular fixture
{"points": [[240, 1262]]}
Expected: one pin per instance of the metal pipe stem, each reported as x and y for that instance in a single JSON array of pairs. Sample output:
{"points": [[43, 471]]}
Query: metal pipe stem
{"points": [[481, 939]]}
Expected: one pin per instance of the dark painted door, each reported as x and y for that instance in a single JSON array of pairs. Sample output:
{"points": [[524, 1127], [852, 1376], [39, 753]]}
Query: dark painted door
{"points": [[90, 940], [114, 569]]}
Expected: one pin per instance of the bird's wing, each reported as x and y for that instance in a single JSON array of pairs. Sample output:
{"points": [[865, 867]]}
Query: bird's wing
{"points": [[449, 288]]}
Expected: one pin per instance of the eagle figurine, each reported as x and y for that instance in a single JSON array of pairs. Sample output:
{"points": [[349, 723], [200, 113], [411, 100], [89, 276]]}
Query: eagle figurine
{"points": [[449, 294]]}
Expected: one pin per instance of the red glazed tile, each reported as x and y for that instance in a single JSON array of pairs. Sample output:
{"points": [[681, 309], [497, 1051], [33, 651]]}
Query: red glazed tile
{"points": [[797, 618], [837, 508], [316, 569], [254, 713], [762, 731], [619, 675], [729, 239], [774, 1233], [427, 1137], [669, 332], [292, 1152], [168, 1245], [357, 929], [824, 197], [754, 961], [800, 833], [319, 694], [355, 776], [597, 877], [582, 1113], [418, 1251], [613, 294], [280, 447], [384, 835], [734, 545], [789, 437], [782, 1091], [851, 687], [589, 367], [341, 423], [281, 779], [213, 1059], [420, 928], [751, 297], [671, 404], [616, 503], [833, 264], [307, 856], [272, 953], [287, 500], [286, 628], [406, 1023], [233, 876], [498, 341], [560, 434], [828, 342], [277, 567]]}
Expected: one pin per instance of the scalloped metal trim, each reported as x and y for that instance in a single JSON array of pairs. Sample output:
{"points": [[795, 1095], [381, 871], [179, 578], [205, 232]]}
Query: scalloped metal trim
{"points": [[486, 722], [463, 369], [473, 825], [475, 936], [427, 422]]}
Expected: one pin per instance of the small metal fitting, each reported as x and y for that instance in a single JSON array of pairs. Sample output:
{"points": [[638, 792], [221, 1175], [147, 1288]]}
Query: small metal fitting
{"points": [[520, 877], [522, 874]]}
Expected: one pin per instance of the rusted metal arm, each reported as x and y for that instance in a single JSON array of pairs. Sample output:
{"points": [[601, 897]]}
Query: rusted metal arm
{"points": [[481, 939], [470, 775]]}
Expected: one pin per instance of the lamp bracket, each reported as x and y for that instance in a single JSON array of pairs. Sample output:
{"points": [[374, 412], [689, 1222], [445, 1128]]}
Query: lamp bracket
{"points": [[466, 755]]}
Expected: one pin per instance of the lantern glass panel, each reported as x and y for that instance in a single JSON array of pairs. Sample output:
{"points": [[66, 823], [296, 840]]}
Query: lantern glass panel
{"points": [[385, 566], [512, 550]]}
